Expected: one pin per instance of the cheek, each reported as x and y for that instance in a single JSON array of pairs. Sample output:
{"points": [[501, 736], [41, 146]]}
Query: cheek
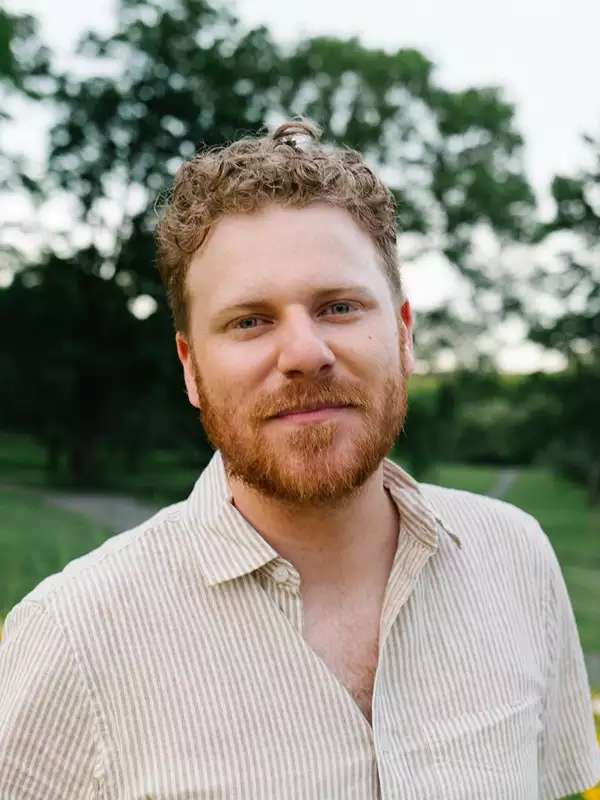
{"points": [[380, 352], [228, 386]]}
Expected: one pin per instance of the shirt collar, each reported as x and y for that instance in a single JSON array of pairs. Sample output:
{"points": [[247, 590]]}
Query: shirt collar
{"points": [[419, 517], [228, 546]]}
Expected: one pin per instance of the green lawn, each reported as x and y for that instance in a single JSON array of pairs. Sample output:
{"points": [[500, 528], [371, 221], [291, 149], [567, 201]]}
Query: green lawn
{"points": [[479, 479]]}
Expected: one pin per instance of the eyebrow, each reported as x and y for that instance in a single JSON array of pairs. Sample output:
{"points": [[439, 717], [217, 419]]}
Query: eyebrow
{"points": [[264, 303]]}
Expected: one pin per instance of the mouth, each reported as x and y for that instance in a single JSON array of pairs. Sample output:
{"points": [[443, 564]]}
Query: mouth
{"points": [[315, 411]]}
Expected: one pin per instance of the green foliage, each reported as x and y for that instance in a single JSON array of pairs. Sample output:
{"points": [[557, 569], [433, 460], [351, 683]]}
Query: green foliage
{"points": [[22, 460], [428, 435], [183, 74], [505, 421], [188, 74], [83, 374], [160, 477], [488, 418], [575, 448], [576, 333], [480, 418], [23, 57], [24, 73]]}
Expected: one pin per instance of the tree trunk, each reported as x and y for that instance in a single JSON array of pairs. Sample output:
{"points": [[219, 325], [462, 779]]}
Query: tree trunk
{"points": [[594, 484], [84, 462], [53, 453]]}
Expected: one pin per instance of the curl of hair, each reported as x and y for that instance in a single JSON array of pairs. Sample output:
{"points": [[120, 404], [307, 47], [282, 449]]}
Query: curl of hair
{"points": [[288, 166]]}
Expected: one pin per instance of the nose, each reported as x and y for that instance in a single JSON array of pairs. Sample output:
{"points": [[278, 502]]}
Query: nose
{"points": [[303, 352]]}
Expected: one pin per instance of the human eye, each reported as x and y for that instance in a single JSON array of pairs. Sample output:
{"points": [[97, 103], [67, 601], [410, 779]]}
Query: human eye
{"points": [[240, 324], [339, 305]]}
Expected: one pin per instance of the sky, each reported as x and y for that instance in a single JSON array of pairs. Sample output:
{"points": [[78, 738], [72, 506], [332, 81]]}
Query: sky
{"points": [[544, 53]]}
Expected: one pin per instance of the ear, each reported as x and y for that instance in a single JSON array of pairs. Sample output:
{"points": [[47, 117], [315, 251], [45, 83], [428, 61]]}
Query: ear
{"points": [[184, 351], [405, 326]]}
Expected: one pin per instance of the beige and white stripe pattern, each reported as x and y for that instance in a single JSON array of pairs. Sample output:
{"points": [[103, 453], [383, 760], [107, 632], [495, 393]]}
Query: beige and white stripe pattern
{"points": [[170, 664]]}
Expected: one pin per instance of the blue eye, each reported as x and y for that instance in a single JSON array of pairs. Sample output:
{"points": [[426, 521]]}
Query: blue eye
{"points": [[338, 304], [250, 323]]}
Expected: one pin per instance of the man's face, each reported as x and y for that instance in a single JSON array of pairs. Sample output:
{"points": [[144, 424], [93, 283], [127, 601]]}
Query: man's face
{"points": [[290, 309]]}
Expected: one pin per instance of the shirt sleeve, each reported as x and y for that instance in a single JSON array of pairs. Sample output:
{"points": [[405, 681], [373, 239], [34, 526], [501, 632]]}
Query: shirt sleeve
{"points": [[569, 750], [47, 731]]}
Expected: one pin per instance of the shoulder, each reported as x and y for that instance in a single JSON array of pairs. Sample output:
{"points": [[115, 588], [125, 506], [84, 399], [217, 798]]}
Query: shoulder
{"points": [[488, 523], [502, 546], [119, 557], [129, 589]]}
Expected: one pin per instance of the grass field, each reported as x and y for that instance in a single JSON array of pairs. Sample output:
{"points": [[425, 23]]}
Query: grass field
{"points": [[479, 479]]}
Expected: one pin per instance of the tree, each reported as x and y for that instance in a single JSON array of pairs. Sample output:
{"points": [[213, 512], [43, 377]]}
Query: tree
{"points": [[576, 331], [24, 75], [82, 372], [452, 158], [24, 59], [188, 73], [184, 73]]}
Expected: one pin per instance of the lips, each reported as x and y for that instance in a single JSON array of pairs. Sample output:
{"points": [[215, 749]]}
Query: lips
{"points": [[306, 409]]}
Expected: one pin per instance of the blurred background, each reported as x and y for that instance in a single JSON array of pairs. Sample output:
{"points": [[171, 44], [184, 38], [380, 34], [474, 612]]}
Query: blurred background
{"points": [[484, 119]]}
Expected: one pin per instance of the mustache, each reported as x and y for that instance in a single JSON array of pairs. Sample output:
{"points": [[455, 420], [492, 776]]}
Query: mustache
{"points": [[307, 395]]}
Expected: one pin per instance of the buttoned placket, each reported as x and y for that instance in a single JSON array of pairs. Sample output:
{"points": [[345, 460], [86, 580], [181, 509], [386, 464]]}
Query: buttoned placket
{"points": [[281, 582]]}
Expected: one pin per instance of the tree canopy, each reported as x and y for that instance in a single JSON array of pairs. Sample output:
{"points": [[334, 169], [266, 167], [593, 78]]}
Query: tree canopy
{"points": [[183, 74]]}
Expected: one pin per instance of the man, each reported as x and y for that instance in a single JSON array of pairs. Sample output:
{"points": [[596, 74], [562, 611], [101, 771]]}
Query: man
{"points": [[311, 622]]}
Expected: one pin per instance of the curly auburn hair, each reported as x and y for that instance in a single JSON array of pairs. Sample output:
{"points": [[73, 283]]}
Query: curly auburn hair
{"points": [[289, 167]]}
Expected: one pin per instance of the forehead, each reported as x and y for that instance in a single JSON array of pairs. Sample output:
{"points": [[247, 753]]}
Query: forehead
{"points": [[281, 251]]}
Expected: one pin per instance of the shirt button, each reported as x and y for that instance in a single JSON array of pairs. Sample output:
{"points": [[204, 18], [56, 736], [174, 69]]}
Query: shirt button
{"points": [[281, 573]]}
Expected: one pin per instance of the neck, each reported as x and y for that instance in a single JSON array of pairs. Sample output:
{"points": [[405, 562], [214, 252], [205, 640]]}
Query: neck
{"points": [[337, 545]]}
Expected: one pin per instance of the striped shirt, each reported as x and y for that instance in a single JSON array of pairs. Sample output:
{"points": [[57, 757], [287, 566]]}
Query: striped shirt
{"points": [[169, 664]]}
